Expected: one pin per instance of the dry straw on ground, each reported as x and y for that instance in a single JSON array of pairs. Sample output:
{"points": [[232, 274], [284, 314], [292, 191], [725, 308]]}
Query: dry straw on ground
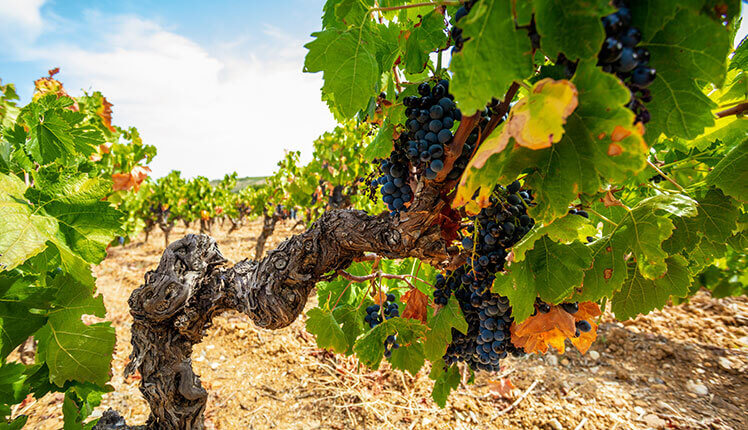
{"points": [[684, 367]]}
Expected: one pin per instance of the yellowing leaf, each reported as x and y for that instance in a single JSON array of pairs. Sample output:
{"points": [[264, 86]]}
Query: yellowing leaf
{"points": [[535, 122]]}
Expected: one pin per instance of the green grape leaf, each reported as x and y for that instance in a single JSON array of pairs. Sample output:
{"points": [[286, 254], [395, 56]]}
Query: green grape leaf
{"points": [[496, 54], [640, 295], [684, 47], [522, 299], [341, 13], [24, 229], [77, 188], [323, 325], [716, 220], [639, 231], [736, 89], [71, 349], [382, 145], [441, 324], [349, 64], [445, 380], [704, 252], [731, 173], [717, 216], [427, 37], [370, 347], [72, 264], [739, 59], [80, 401], [565, 230], [352, 320], [554, 18], [12, 387], [337, 291], [16, 424], [409, 356], [86, 229], [51, 139], [550, 270], [18, 297], [728, 130]]}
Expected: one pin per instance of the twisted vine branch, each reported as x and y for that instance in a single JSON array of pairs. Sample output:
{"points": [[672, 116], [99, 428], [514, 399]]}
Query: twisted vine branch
{"points": [[192, 284]]}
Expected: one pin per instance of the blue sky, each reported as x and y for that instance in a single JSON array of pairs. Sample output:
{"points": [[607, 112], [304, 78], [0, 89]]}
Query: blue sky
{"points": [[216, 85]]}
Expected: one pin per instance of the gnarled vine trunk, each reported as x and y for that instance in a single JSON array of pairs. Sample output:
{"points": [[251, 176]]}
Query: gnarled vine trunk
{"points": [[192, 284]]}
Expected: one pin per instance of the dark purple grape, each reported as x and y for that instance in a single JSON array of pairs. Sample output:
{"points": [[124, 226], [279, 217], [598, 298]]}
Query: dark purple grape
{"points": [[631, 37], [444, 135], [643, 76], [611, 50], [628, 61], [424, 89]]}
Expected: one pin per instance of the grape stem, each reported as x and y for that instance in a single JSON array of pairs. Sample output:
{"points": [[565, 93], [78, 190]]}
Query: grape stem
{"points": [[412, 5], [379, 275], [600, 216], [669, 179]]}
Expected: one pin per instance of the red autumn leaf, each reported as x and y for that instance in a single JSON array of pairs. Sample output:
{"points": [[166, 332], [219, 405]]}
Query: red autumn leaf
{"points": [[588, 311], [540, 331], [449, 221], [610, 200], [415, 305], [132, 180], [50, 85], [105, 113]]}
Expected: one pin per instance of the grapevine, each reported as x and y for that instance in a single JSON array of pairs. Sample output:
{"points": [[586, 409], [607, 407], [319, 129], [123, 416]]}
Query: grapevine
{"points": [[526, 189]]}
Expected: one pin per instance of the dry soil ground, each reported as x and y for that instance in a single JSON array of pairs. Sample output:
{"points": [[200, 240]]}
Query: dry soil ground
{"points": [[685, 367]]}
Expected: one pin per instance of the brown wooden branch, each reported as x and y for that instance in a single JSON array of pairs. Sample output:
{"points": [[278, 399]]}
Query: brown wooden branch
{"points": [[735, 110], [453, 150], [502, 109]]}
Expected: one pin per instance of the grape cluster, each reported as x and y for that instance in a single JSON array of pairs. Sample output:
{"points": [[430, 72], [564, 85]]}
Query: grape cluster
{"points": [[582, 326], [457, 31], [395, 189], [374, 317], [494, 230], [431, 118], [620, 55]]}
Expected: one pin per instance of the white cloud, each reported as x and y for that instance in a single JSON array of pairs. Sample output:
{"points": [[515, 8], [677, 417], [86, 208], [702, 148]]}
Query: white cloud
{"points": [[20, 19], [207, 114]]}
